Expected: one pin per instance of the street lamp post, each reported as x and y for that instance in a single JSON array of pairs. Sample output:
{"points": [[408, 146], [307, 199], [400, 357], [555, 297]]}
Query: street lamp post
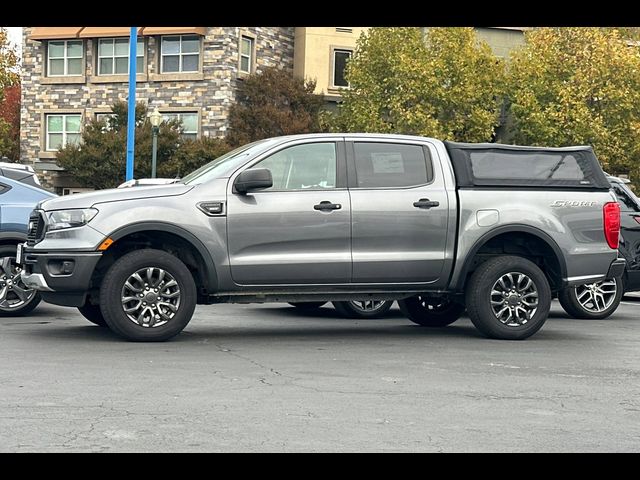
{"points": [[155, 118]]}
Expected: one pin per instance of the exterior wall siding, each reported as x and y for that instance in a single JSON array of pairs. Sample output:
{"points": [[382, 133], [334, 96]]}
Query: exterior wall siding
{"points": [[211, 95]]}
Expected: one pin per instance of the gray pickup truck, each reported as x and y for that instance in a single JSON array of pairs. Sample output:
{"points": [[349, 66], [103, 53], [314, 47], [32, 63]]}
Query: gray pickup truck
{"points": [[441, 227]]}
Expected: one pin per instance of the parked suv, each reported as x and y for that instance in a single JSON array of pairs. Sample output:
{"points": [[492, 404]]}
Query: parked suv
{"points": [[17, 200], [600, 299], [437, 226]]}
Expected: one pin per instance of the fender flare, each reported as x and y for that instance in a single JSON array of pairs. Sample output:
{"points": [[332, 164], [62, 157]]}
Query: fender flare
{"points": [[516, 228], [210, 277]]}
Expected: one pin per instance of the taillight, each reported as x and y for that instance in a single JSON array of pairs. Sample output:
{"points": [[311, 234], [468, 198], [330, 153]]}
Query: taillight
{"points": [[611, 213]]}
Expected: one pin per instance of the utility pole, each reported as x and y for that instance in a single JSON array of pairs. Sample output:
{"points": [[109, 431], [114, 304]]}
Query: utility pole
{"points": [[131, 112]]}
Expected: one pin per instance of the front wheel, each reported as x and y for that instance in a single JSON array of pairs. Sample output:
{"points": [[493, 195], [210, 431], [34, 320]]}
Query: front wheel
{"points": [[508, 298], [593, 301], [431, 311], [363, 308], [148, 296], [16, 298]]}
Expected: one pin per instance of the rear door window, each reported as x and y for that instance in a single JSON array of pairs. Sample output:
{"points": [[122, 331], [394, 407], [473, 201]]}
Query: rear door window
{"points": [[391, 165]]}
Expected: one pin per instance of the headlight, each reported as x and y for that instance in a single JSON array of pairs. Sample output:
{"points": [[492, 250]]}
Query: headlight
{"points": [[61, 219]]}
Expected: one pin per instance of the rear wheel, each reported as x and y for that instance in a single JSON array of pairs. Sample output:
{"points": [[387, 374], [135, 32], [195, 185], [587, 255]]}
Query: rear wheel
{"points": [[508, 298], [307, 305], [430, 311], [15, 297], [363, 308], [148, 296], [594, 300], [93, 314]]}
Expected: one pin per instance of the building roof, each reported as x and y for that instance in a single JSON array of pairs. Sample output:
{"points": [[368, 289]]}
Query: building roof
{"points": [[53, 33]]}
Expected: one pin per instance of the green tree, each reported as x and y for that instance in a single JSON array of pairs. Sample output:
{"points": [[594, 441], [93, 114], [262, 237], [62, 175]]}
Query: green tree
{"points": [[443, 83], [580, 85], [273, 103], [99, 160]]}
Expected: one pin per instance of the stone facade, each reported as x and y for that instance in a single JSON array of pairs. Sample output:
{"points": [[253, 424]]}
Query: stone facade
{"points": [[209, 92]]}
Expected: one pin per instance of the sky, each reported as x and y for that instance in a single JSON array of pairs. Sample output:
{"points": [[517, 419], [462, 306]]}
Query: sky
{"points": [[15, 36]]}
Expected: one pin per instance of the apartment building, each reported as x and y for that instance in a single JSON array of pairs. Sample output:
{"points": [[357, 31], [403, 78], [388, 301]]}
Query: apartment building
{"points": [[73, 74]]}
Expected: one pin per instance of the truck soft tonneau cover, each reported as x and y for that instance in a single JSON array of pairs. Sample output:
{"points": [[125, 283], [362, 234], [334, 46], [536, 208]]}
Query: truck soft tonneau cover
{"points": [[497, 165]]}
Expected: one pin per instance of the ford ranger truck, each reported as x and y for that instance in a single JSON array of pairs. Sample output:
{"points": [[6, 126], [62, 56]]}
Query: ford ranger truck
{"points": [[440, 227]]}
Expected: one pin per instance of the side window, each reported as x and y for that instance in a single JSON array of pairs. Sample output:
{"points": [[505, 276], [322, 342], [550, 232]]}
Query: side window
{"points": [[3, 188], [380, 165], [310, 166], [626, 203]]}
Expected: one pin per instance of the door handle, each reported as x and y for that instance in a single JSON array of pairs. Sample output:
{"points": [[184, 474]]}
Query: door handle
{"points": [[327, 206], [425, 203]]}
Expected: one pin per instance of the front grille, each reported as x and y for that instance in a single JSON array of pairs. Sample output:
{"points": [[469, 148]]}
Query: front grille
{"points": [[35, 232]]}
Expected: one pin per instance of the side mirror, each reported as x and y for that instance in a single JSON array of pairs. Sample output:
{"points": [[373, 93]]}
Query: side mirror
{"points": [[253, 179]]}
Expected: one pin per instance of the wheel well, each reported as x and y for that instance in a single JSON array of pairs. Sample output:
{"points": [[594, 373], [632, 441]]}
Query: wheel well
{"points": [[10, 242], [523, 244], [169, 242]]}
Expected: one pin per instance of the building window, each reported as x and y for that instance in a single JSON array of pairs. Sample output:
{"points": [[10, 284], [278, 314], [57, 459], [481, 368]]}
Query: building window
{"points": [[62, 130], [246, 54], [188, 120], [113, 56], [65, 58], [180, 53], [340, 59]]}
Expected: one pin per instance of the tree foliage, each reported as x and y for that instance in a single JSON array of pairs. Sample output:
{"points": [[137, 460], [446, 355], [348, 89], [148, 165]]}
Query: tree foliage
{"points": [[99, 160], [9, 85], [10, 123], [8, 62], [445, 84], [580, 85], [273, 103]]}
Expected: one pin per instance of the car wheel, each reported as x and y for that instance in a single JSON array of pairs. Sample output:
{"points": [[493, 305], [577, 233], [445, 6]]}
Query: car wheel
{"points": [[363, 308], [93, 314], [148, 296], [307, 305], [594, 300], [15, 297], [430, 311], [508, 298]]}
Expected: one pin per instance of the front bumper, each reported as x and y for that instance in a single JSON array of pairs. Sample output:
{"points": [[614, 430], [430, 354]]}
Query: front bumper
{"points": [[63, 278]]}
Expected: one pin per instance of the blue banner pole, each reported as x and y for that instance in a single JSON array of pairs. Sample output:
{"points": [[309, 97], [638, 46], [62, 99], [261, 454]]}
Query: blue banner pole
{"points": [[131, 112]]}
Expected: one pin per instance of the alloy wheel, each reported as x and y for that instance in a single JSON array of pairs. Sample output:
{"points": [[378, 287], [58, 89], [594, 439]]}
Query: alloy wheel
{"points": [[151, 297], [597, 297], [14, 294], [368, 305], [514, 299]]}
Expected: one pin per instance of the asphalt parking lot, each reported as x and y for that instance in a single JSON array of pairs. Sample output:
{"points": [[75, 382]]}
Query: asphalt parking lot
{"points": [[266, 378]]}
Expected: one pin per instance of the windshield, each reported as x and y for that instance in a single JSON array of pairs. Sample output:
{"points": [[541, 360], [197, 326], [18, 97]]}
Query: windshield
{"points": [[222, 165]]}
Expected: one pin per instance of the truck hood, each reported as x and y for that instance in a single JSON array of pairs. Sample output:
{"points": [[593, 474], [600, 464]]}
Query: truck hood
{"points": [[87, 200]]}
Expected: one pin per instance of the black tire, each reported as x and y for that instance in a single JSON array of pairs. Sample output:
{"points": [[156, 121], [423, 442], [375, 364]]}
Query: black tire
{"points": [[586, 309], [8, 252], [113, 286], [307, 305], [93, 314], [353, 310], [431, 311], [479, 298]]}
